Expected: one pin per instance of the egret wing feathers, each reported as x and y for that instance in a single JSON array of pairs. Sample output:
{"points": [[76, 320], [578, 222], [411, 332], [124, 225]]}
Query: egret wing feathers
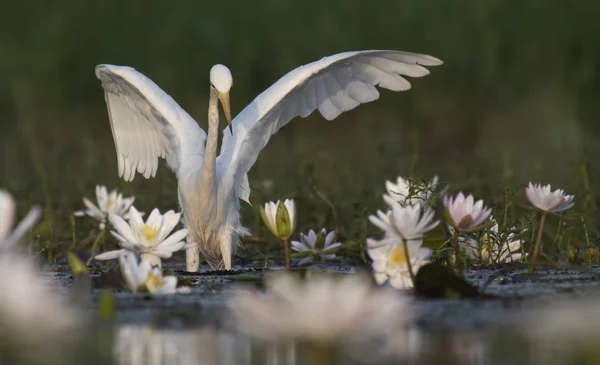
{"points": [[332, 85], [147, 124]]}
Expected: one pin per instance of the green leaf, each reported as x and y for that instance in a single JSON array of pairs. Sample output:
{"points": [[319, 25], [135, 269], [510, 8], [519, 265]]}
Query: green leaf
{"points": [[300, 255], [76, 265], [464, 222], [436, 281], [282, 222], [435, 238], [43, 227], [350, 244], [320, 242]]}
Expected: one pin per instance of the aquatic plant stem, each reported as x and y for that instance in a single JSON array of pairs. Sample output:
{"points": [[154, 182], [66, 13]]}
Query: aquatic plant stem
{"points": [[96, 244], [536, 249], [267, 256], [457, 260], [286, 245], [408, 262]]}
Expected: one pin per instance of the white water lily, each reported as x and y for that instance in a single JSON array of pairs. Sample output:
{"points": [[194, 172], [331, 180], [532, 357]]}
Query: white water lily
{"points": [[108, 203], [408, 222], [546, 200], [32, 313], [408, 192], [281, 219], [390, 262], [466, 214], [318, 247], [490, 251], [141, 276], [283, 227], [7, 218], [319, 309], [150, 239]]}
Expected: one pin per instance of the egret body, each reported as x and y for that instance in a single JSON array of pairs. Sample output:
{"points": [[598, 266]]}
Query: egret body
{"points": [[147, 124]]}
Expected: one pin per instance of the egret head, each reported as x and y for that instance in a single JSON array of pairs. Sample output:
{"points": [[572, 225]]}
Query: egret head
{"points": [[221, 80]]}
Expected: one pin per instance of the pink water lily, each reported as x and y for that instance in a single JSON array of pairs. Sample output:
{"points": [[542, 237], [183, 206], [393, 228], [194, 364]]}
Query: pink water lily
{"points": [[546, 200], [466, 214]]}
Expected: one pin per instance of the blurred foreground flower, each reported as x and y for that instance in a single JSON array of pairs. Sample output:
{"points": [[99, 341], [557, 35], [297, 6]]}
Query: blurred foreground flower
{"points": [[399, 254], [150, 239], [108, 203], [320, 309], [390, 262], [280, 218], [316, 247], [140, 276], [547, 201], [407, 192], [31, 313], [7, 218]]}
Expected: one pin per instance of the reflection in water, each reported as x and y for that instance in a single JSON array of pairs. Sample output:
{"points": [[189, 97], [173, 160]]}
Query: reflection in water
{"points": [[415, 345], [145, 345]]}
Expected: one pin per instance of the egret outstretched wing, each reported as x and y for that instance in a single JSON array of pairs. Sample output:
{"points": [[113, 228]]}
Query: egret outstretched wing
{"points": [[332, 85], [148, 124]]}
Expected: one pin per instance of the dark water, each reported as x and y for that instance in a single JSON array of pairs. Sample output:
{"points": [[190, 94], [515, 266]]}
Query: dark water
{"points": [[533, 321]]}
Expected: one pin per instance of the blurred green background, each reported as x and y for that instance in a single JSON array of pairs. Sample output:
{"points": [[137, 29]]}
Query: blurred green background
{"points": [[517, 98]]}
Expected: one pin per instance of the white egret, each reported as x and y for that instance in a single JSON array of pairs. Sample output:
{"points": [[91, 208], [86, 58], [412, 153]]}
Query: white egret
{"points": [[148, 124]]}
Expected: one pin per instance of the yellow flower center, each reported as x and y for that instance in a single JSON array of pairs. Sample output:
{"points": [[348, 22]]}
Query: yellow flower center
{"points": [[109, 203], [397, 256], [154, 282], [148, 232]]}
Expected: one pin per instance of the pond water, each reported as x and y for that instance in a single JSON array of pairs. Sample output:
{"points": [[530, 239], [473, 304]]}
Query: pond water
{"points": [[521, 326]]}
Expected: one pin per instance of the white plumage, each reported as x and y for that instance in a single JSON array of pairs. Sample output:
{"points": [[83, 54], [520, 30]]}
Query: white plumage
{"points": [[148, 124]]}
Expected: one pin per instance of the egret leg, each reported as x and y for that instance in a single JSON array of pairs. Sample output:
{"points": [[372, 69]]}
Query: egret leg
{"points": [[192, 256]]}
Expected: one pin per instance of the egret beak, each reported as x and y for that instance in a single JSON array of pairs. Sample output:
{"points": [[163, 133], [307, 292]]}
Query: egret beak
{"points": [[224, 99]]}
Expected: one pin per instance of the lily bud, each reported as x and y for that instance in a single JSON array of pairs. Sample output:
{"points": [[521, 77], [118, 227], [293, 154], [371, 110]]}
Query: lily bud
{"points": [[280, 218]]}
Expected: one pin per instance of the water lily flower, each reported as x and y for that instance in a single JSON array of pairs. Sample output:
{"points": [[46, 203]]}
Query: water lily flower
{"points": [[546, 200], [407, 192], [108, 203], [7, 218], [408, 222], [150, 239], [318, 309], [280, 218], [490, 251], [141, 276], [466, 214], [31, 312], [391, 264], [316, 246]]}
